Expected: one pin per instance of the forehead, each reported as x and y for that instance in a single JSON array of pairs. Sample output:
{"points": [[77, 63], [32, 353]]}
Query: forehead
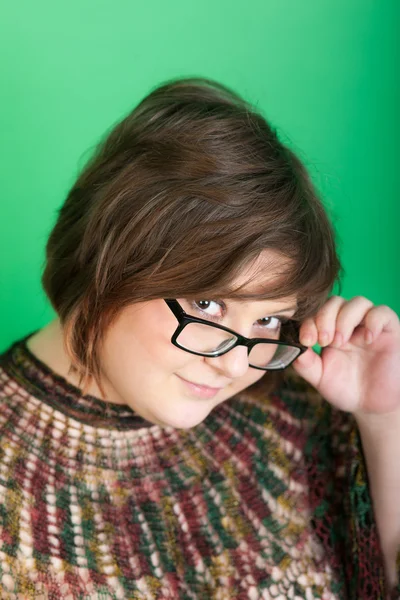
{"points": [[268, 267]]}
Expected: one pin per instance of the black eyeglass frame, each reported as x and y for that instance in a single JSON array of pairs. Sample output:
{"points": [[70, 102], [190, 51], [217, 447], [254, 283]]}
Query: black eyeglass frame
{"points": [[184, 319]]}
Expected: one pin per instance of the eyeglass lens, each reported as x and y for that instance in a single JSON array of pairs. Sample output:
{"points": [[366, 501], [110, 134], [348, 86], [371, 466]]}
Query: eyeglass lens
{"points": [[210, 340]]}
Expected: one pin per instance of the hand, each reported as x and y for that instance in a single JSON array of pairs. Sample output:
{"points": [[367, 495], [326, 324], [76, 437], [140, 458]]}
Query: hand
{"points": [[354, 375]]}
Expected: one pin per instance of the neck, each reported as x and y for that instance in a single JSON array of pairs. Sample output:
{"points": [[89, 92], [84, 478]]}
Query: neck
{"points": [[48, 346]]}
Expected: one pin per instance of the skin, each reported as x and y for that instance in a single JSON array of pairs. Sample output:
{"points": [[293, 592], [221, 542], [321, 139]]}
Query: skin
{"points": [[141, 368]]}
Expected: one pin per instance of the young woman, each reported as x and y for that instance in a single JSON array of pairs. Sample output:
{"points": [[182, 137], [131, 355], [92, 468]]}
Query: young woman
{"points": [[172, 433]]}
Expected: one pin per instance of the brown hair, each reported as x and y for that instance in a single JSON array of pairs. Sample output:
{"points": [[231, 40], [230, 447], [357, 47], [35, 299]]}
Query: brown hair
{"points": [[179, 197]]}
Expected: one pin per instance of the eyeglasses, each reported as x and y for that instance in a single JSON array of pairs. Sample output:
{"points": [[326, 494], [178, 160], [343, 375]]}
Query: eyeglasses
{"points": [[203, 338]]}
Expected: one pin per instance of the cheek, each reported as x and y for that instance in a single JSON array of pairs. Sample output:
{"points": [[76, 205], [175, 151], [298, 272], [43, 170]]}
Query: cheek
{"points": [[160, 355], [249, 379], [139, 354]]}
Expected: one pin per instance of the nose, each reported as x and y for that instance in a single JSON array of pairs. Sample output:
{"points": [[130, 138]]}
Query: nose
{"points": [[233, 364]]}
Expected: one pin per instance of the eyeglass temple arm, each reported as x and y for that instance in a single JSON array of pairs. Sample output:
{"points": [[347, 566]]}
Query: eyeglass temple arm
{"points": [[175, 307]]}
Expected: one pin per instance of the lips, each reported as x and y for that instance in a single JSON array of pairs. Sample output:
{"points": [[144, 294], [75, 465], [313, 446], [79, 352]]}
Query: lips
{"points": [[201, 385], [201, 391]]}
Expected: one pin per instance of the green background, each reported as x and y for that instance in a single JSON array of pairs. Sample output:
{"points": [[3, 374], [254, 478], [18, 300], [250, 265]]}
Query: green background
{"points": [[325, 73]]}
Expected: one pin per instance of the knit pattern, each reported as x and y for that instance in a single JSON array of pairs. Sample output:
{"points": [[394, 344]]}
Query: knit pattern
{"points": [[267, 498]]}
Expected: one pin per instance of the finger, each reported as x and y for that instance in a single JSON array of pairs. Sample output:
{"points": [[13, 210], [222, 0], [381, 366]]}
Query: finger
{"points": [[351, 316], [309, 366], [381, 318], [326, 321], [321, 327], [308, 334], [339, 318]]}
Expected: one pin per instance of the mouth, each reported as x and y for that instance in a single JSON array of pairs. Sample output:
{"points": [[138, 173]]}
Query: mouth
{"points": [[202, 391]]}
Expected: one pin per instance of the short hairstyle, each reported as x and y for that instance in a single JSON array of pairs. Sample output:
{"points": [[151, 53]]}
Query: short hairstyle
{"points": [[181, 195]]}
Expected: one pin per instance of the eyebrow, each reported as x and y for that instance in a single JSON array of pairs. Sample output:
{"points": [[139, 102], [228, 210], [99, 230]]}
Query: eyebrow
{"points": [[276, 312], [283, 310]]}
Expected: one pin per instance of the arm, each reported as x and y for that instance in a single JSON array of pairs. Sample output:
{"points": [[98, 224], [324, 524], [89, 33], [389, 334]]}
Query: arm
{"points": [[380, 437]]}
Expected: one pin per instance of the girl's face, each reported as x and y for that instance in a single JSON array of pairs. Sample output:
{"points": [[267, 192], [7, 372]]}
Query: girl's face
{"points": [[142, 368]]}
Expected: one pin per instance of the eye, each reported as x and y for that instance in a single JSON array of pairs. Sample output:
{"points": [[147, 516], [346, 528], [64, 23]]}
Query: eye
{"points": [[277, 322], [215, 310], [208, 308]]}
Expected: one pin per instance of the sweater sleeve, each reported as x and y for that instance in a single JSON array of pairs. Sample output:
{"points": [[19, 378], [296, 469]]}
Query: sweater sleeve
{"points": [[341, 507], [359, 514]]}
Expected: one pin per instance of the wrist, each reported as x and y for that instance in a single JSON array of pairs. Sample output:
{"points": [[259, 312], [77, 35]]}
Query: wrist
{"points": [[379, 424], [380, 439]]}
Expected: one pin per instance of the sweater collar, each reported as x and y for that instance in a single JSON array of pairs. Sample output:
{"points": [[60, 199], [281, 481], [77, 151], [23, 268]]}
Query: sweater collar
{"points": [[41, 381]]}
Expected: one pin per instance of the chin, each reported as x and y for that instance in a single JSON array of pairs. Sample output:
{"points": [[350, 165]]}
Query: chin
{"points": [[184, 421], [184, 424]]}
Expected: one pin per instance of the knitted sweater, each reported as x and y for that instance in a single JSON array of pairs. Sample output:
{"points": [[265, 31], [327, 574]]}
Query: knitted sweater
{"points": [[267, 498]]}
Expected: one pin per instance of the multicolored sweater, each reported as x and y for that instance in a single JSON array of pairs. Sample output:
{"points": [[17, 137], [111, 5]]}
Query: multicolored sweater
{"points": [[267, 498]]}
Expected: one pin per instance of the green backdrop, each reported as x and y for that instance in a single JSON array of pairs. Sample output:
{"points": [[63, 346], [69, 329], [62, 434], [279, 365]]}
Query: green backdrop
{"points": [[324, 72]]}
